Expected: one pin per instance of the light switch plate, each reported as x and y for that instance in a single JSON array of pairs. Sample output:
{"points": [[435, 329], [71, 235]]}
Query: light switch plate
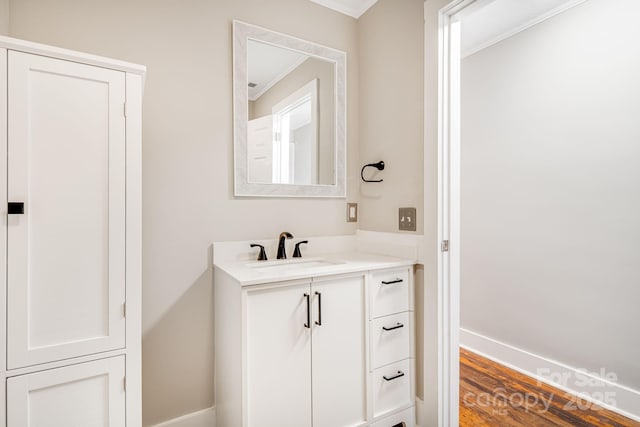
{"points": [[407, 219], [352, 212]]}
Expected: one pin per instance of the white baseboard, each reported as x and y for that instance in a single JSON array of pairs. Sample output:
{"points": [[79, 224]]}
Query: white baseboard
{"points": [[588, 387], [202, 418]]}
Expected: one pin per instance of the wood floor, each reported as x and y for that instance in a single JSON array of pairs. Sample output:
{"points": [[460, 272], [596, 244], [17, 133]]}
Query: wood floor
{"points": [[493, 395]]}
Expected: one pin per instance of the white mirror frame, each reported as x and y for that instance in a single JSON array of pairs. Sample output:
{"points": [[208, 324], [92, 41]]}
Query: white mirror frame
{"points": [[242, 33]]}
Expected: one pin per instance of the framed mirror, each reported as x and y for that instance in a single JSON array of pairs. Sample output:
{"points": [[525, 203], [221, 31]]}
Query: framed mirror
{"points": [[289, 115]]}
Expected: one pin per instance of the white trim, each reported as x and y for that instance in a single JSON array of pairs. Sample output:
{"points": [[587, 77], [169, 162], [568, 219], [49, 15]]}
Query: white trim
{"points": [[133, 251], [307, 93], [202, 418], [530, 23], [449, 211], [69, 55], [4, 93], [354, 12], [627, 400], [242, 32]]}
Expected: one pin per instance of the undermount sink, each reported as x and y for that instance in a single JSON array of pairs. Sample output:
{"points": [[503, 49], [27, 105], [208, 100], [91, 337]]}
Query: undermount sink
{"points": [[291, 265]]}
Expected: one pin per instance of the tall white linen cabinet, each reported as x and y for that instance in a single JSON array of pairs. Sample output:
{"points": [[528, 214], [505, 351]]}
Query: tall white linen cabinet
{"points": [[70, 241]]}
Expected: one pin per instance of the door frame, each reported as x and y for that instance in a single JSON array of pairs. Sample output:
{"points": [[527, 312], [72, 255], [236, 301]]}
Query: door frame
{"points": [[448, 283]]}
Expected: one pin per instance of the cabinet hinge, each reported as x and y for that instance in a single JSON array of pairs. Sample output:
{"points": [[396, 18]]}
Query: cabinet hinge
{"points": [[444, 246], [124, 109], [124, 309], [124, 383]]}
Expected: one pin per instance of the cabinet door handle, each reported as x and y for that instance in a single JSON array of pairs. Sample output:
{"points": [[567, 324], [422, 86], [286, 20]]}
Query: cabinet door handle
{"points": [[396, 376], [308, 324], [391, 282], [398, 326], [15, 208], [319, 321]]}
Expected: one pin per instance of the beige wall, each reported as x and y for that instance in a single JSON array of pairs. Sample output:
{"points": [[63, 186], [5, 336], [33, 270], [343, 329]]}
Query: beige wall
{"points": [[4, 17], [550, 189], [310, 69], [187, 160], [391, 85], [390, 56]]}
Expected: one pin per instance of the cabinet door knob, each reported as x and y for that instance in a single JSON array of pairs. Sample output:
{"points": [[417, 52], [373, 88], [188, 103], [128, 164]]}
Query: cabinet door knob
{"points": [[396, 376], [15, 208]]}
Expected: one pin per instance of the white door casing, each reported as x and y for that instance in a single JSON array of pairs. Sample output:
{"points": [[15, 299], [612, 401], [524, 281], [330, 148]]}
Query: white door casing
{"points": [[66, 254], [3, 228], [449, 33]]}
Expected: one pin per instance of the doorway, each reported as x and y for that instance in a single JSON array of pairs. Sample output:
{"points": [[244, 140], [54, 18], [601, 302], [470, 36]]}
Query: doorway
{"points": [[580, 217]]}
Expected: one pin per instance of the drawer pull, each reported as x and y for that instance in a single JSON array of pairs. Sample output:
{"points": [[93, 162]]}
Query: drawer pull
{"points": [[396, 376], [319, 321], [308, 324], [391, 282], [402, 424], [398, 326]]}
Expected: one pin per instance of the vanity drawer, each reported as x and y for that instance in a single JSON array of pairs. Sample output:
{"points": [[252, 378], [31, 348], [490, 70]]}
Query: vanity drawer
{"points": [[391, 387], [390, 339], [389, 292], [405, 418]]}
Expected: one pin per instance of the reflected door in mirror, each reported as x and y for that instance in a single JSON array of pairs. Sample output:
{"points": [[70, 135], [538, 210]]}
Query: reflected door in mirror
{"points": [[296, 94]]}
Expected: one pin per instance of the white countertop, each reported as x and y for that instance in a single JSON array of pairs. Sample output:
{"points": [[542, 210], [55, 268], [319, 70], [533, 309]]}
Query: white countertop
{"points": [[256, 272]]}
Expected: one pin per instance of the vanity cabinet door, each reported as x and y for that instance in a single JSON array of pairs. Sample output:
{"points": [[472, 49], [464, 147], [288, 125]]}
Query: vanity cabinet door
{"points": [[66, 237], [88, 394], [278, 357], [339, 361]]}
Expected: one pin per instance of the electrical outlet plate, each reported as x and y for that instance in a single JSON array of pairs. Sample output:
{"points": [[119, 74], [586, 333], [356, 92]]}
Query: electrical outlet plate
{"points": [[352, 212], [407, 219]]}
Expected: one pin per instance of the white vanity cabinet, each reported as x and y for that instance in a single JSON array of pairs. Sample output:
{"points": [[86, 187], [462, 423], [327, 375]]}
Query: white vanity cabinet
{"points": [[307, 351], [391, 340], [306, 361], [70, 144]]}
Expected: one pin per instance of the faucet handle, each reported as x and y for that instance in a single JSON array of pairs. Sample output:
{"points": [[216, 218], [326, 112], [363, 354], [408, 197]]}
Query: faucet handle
{"points": [[263, 255], [296, 251]]}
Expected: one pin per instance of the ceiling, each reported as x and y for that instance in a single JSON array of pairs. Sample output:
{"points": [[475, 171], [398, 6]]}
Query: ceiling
{"points": [[268, 64], [501, 19], [353, 8]]}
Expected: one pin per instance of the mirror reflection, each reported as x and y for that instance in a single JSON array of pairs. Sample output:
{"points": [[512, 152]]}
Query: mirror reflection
{"points": [[291, 117]]}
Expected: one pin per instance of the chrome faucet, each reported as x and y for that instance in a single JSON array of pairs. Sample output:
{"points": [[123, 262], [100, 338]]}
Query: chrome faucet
{"points": [[282, 253]]}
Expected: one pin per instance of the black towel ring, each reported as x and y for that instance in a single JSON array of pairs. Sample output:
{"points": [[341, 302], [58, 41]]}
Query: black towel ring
{"points": [[379, 166]]}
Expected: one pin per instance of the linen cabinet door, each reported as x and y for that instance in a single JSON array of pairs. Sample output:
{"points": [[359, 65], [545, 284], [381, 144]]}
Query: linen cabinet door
{"points": [[278, 357], [84, 395], [66, 240], [339, 352]]}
